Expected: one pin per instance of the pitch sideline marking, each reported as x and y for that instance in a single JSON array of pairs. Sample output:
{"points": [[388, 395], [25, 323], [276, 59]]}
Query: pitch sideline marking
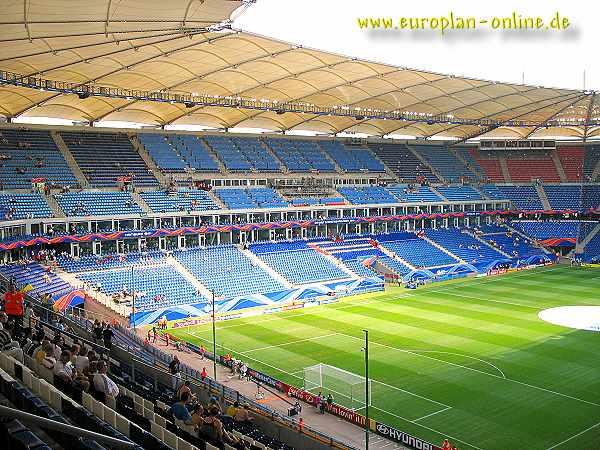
{"points": [[433, 414], [574, 436], [314, 338], [560, 394]]}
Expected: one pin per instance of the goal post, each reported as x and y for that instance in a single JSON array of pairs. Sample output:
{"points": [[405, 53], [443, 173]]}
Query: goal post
{"points": [[347, 388]]}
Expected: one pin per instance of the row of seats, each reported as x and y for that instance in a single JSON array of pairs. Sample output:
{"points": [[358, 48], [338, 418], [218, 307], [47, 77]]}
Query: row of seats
{"points": [[23, 206], [105, 157], [298, 265], [452, 169], [35, 275], [403, 162], [29, 154], [181, 200], [352, 159], [237, 198], [227, 271], [100, 203]]}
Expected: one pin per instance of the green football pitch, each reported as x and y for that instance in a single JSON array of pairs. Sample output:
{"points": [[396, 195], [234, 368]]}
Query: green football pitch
{"points": [[469, 360]]}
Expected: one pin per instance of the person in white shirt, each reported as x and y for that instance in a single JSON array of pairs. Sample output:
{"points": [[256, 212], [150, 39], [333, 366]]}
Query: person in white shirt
{"points": [[63, 368], [104, 384]]}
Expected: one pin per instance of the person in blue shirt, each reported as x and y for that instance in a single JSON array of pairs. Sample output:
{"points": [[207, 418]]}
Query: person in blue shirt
{"points": [[180, 411]]}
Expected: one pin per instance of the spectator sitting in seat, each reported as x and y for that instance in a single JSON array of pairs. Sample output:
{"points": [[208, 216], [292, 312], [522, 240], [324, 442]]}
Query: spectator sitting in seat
{"points": [[80, 359], [242, 415], [214, 428], [185, 388], [49, 360], [232, 409], [180, 411], [198, 415], [102, 383]]}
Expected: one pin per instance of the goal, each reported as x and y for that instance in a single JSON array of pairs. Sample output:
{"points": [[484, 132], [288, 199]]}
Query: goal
{"points": [[347, 388]]}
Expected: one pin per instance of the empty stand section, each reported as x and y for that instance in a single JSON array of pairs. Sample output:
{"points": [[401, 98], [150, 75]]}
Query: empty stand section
{"points": [[464, 245], [181, 200], [414, 193], [250, 198], [367, 195], [571, 158], [301, 155], [490, 165], [29, 154], [590, 196], [525, 169], [403, 162], [105, 157], [444, 162], [459, 193], [23, 206], [101, 203], [523, 197], [352, 158], [163, 154], [41, 280], [298, 263], [563, 196], [240, 154], [227, 271], [547, 229], [418, 252], [590, 162], [155, 286]]}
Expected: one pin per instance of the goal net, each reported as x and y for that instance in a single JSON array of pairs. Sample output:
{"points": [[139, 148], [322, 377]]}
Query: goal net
{"points": [[347, 388]]}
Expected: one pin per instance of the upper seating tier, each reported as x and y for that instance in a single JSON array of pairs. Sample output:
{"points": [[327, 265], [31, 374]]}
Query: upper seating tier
{"points": [[106, 157], [29, 154]]}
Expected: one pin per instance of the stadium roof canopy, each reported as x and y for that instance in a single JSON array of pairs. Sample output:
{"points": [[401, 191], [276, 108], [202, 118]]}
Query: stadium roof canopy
{"points": [[184, 50]]}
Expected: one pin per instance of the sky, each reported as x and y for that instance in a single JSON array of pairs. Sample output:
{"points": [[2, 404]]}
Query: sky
{"points": [[547, 58]]}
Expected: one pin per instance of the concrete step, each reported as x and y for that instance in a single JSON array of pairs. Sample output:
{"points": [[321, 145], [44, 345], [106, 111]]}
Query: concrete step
{"points": [[443, 249], [54, 206], [543, 197], [140, 201], [580, 247], [185, 273], [60, 143], [393, 255], [424, 161], [559, 168], [260, 263], [139, 147], [504, 169]]}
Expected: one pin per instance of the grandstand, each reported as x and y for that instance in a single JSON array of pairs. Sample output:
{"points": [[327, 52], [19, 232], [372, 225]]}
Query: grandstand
{"points": [[262, 206]]}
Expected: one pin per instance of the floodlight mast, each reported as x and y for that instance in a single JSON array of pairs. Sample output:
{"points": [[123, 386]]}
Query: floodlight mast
{"points": [[367, 393]]}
